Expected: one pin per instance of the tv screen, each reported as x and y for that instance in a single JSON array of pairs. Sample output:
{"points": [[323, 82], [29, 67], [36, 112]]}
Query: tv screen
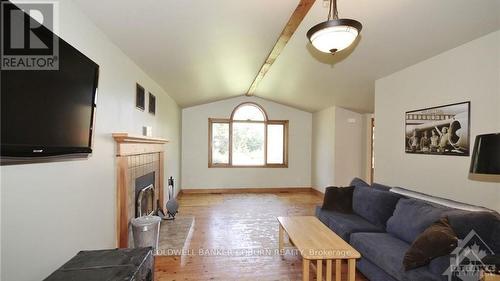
{"points": [[49, 112]]}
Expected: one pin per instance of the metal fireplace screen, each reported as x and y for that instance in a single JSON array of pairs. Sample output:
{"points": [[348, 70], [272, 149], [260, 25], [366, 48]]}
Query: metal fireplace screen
{"points": [[144, 195]]}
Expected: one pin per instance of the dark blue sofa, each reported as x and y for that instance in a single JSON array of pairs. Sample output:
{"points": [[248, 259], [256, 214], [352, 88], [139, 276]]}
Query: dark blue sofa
{"points": [[384, 224]]}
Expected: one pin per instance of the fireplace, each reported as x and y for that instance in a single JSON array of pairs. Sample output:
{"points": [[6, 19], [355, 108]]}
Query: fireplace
{"points": [[140, 174], [145, 195]]}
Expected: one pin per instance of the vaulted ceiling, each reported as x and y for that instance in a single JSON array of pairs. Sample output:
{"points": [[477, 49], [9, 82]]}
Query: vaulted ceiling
{"points": [[201, 51]]}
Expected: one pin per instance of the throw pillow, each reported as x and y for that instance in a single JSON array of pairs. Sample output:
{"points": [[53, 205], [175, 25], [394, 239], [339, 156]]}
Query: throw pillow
{"points": [[437, 240], [338, 199]]}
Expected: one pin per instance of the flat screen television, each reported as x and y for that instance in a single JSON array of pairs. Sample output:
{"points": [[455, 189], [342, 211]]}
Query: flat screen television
{"points": [[49, 112]]}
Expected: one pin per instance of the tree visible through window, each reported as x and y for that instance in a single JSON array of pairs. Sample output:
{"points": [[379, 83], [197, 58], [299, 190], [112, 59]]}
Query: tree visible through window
{"points": [[220, 143], [248, 139]]}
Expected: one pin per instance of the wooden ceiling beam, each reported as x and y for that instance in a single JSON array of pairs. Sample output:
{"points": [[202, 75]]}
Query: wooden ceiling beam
{"points": [[289, 29]]}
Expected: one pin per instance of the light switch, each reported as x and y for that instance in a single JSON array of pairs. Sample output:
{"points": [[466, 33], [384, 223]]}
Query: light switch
{"points": [[147, 131]]}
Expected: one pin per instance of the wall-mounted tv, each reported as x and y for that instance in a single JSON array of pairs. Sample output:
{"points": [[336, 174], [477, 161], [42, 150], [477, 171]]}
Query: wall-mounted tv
{"points": [[49, 112]]}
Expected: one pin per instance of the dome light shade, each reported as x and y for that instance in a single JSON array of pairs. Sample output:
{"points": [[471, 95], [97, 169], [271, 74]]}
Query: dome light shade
{"points": [[334, 35]]}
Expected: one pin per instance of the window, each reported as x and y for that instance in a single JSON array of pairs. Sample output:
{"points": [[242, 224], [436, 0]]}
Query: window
{"points": [[248, 139]]}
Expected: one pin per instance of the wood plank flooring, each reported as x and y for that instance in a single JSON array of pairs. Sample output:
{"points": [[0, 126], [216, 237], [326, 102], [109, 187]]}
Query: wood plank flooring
{"points": [[235, 237]]}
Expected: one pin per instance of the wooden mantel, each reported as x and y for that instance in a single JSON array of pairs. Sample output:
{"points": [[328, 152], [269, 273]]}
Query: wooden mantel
{"points": [[132, 145], [129, 149], [126, 137]]}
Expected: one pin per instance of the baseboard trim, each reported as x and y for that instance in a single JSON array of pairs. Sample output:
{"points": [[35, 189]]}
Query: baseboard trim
{"points": [[246, 190], [317, 192]]}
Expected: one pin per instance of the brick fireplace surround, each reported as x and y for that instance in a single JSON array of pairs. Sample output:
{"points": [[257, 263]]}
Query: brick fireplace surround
{"points": [[136, 156]]}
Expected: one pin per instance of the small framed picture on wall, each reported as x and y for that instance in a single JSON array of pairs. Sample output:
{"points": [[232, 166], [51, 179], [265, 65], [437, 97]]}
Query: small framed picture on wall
{"points": [[152, 104], [140, 97]]}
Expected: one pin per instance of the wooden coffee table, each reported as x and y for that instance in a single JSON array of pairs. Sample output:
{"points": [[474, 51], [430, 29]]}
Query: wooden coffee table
{"points": [[489, 277], [316, 242]]}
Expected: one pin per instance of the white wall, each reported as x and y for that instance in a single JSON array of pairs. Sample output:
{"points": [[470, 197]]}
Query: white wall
{"points": [[339, 153], [323, 148], [195, 171], [470, 72], [51, 211], [349, 146]]}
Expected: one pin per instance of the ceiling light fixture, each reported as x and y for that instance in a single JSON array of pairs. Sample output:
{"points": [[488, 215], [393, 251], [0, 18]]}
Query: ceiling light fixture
{"points": [[334, 34]]}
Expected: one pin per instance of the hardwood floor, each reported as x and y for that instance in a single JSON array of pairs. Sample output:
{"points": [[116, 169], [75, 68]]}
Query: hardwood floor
{"points": [[235, 236]]}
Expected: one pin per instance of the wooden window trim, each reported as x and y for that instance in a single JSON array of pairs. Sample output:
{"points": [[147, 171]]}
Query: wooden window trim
{"points": [[266, 122], [285, 143], [249, 103], [210, 122], [372, 162]]}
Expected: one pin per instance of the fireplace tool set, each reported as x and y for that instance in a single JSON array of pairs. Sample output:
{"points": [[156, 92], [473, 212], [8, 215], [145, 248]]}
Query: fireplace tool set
{"points": [[172, 204]]}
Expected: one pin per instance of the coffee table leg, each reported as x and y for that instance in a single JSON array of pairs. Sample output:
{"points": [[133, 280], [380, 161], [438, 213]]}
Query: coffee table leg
{"points": [[319, 270], [351, 275], [328, 270], [338, 270], [281, 237], [305, 270]]}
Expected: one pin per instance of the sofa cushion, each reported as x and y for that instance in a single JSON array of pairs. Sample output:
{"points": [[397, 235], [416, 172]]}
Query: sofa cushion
{"points": [[411, 217], [485, 224], [375, 273], [374, 205], [358, 182], [382, 249], [495, 245], [440, 264], [321, 215], [338, 199], [382, 187], [344, 224], [386, 252], [422, 274], [372, 272]]}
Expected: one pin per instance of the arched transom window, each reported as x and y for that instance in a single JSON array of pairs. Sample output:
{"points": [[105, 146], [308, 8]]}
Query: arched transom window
{"points": [[248, 139]]}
